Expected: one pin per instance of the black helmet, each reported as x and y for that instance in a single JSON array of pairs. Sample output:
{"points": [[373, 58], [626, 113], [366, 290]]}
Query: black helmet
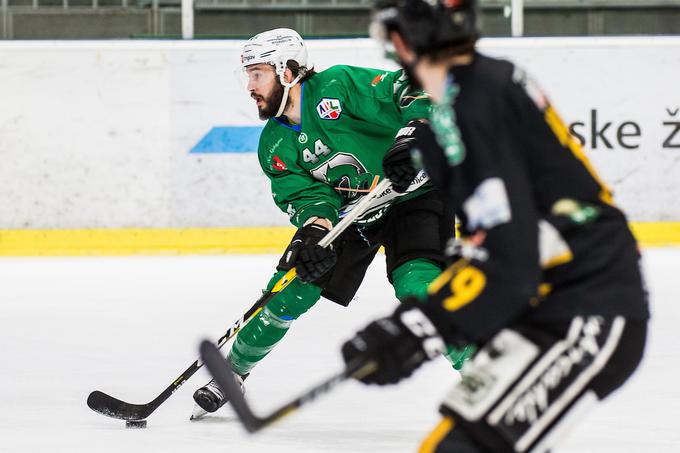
{"points": [[427, 26]]}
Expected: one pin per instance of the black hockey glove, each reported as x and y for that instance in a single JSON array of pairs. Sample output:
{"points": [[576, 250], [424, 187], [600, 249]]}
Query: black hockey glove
{"points": [[304, 252], [397, 163], [398, 344]]}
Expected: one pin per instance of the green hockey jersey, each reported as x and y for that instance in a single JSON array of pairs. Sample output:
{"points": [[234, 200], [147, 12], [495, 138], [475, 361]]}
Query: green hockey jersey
{"points": [[349, 118]]}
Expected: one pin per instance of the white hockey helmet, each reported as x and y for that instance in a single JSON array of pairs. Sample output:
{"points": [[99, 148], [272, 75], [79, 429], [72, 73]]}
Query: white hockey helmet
{"points": [[277, 47]]}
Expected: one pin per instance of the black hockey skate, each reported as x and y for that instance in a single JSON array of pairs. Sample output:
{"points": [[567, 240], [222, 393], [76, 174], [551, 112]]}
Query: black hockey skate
{"points": [[210, 397]]}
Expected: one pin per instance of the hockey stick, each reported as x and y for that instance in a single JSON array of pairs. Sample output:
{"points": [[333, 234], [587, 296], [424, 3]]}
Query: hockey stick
{"points": [[112, 407], [225, 378]]}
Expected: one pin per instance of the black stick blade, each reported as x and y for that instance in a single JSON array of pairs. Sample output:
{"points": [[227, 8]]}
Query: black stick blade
{"points": [[225, 378], [115, 408]]}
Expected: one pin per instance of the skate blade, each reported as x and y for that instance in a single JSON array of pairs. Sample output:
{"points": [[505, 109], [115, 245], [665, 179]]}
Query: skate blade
{"points": [[197, 413]]}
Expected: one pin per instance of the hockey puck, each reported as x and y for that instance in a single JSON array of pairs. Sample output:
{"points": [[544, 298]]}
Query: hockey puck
{"points": [[135, 424]]}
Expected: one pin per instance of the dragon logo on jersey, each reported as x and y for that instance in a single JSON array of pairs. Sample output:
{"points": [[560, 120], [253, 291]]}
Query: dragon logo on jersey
{"points": [[329, 109], [345, 174]]}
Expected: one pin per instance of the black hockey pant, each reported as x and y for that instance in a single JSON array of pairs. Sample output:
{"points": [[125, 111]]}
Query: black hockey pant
{"points": [[531, 381]]}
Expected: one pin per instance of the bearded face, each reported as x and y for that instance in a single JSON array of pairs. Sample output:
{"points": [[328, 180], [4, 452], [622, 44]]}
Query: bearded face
{"points": [[266, 88], [268, 103]]}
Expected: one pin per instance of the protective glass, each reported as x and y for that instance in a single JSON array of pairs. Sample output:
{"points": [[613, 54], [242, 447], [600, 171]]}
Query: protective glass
{"points": [[254, 77]]}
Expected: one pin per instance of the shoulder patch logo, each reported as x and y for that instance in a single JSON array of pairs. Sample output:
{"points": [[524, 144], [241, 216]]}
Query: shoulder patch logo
{"points": [[531, 87], [379, 78], [329, 109], [277, 164]]}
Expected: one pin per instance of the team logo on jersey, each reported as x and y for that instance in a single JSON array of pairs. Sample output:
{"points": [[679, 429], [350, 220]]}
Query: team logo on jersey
{"points": [[302, 138], [329, 109], [277, 164]]}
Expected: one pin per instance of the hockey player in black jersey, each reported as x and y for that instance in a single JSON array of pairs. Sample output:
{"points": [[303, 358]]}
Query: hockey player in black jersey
{"points": [[546, 280]]}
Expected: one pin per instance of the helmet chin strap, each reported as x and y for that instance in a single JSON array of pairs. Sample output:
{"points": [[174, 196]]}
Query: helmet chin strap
{"points": [[286, 89]]}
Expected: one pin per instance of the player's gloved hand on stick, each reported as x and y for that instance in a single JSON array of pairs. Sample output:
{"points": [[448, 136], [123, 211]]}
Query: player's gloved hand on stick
{"points": [[399, 344], [304, 252], [397, 163]]}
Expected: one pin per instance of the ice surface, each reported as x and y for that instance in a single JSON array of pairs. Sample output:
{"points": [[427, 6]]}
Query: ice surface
{"points": [[129, 326]]}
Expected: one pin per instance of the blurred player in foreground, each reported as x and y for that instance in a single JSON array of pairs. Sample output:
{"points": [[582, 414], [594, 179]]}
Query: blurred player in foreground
{"points": [[322, 150], [547, 282]]}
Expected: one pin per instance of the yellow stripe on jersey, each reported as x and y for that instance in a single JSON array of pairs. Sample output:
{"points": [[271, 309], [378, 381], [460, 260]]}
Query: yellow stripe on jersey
{"points": [[559, 259], [562, 133], [544, 289]]}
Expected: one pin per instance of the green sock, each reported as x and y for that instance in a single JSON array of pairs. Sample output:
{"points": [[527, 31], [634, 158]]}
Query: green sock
{"points": [[412, 279], [262, 333], [256, 340]]}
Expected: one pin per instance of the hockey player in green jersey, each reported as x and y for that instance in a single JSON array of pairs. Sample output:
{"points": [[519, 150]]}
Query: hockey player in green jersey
{"points": [[322, 149]]}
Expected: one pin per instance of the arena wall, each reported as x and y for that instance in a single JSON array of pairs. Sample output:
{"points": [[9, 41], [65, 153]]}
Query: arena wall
{"points": [[122, 147]]}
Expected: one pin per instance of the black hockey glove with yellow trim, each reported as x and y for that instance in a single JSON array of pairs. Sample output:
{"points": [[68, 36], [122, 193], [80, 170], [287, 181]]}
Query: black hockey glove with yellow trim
{"points": [[398, 344], [304, 252], [398, 165]]}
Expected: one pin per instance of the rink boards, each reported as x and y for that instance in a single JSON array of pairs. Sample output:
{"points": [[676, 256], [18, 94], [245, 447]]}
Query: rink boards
{"points": [[204, 241], [147, 147]]}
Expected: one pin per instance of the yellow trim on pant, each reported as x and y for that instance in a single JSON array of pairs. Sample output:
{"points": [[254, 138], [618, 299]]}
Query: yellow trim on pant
{"points": [[207, 241], [433, 440]]}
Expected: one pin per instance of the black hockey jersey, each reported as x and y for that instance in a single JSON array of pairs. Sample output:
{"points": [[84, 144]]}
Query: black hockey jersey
{"points": [[543, 236]]}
